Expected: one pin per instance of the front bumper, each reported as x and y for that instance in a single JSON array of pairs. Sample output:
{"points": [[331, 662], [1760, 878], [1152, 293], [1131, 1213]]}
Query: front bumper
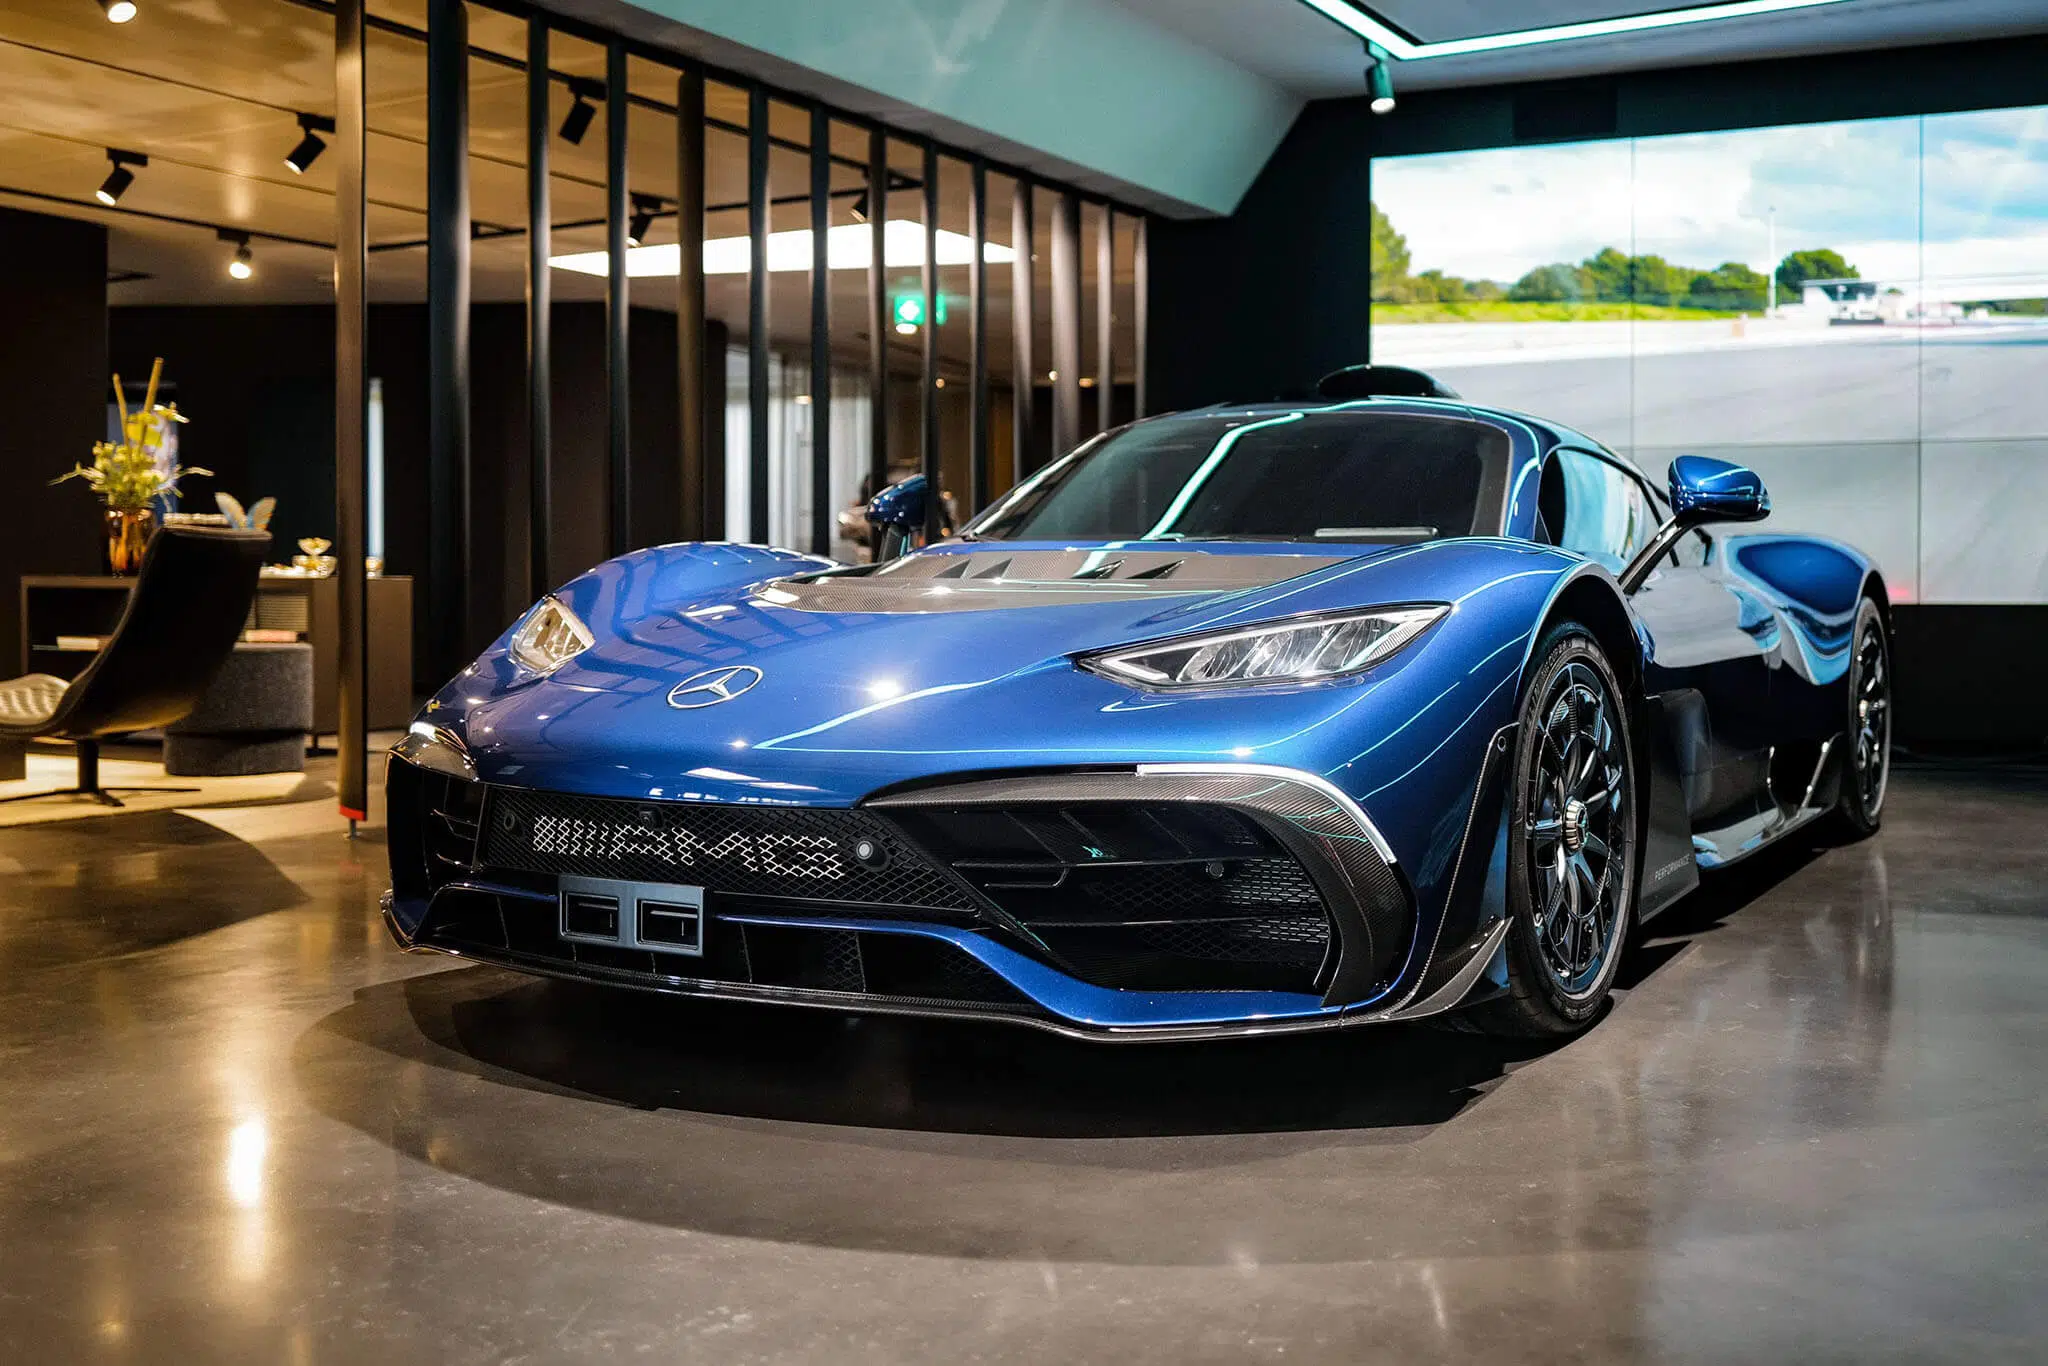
{"points": [[976, 947]]}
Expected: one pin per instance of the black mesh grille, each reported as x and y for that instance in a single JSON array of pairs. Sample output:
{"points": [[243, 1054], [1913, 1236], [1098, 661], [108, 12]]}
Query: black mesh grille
{"points": [[1156, 896], [790, 852], [1177, 890]]}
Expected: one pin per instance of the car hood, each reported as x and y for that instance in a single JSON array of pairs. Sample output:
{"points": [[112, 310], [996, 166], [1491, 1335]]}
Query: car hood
{"points": [[954, 659]]}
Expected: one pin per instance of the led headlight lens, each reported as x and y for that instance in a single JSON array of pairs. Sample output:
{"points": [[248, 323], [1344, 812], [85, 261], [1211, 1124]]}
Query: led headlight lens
{"points": [[550, 637], [1291, 652]]}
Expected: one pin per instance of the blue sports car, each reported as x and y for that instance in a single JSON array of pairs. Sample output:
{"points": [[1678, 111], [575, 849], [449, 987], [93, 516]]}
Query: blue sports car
{"points": [[1242, 720]]}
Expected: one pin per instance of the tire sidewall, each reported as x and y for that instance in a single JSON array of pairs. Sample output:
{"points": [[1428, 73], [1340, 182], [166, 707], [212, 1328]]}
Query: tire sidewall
{"points": [[1851, 806], [1565, 644]]}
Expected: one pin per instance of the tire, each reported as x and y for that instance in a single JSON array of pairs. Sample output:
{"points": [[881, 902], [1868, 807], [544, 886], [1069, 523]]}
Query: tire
{"points": [[1571, 843], [1868, 728]]}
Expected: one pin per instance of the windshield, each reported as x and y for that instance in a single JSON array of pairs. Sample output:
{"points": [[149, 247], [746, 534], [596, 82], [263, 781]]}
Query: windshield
{"points": [[1326, 476]]}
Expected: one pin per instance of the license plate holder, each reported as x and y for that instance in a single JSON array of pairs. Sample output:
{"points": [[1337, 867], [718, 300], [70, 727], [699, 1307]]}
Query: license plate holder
{"points": [[661, 917]]}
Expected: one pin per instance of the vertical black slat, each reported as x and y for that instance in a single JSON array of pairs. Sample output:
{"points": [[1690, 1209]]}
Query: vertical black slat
{"points": [[1141, 314], [1105, 321], [821, 332], [351, 414], [878, 311], [703, 518], [539, 316], [757, 316], [452, 609], [928, 402], [977, 338], [1023, 374], [1066, 323], [617, 304]]}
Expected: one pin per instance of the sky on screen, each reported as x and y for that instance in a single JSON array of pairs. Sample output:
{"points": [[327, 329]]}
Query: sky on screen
{"points": [[1947, 194]]}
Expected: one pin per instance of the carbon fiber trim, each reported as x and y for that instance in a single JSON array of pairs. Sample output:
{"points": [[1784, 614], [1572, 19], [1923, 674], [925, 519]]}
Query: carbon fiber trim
{"points": [[1352, 866]]}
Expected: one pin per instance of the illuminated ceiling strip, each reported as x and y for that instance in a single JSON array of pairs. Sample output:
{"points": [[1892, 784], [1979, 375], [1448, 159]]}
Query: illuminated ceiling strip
{"points": [[849, 246], [1407, 49]]}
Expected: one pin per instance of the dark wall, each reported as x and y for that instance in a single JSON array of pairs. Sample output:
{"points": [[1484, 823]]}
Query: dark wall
{"points": [[1264, 302], [259, 382], [54, 393]]}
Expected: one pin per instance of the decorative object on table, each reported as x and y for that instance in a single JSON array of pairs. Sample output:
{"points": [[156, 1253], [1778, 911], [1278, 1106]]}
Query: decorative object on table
{"points": [[257, 518], [131, 474], [314, 560]]}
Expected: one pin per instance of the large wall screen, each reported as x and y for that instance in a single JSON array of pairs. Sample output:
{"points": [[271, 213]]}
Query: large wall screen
{"points": [[1857, 310]]}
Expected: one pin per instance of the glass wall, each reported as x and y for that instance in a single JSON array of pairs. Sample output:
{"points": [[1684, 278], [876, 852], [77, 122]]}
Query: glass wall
{"points": [[1854, 309]]}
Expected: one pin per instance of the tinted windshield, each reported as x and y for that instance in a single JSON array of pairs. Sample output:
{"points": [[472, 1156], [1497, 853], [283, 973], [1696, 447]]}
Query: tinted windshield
{"points": [[1330, 476]]}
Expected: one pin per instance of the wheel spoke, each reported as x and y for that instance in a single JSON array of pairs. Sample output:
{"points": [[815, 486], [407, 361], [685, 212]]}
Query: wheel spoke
{"points": [[1595, 845]]}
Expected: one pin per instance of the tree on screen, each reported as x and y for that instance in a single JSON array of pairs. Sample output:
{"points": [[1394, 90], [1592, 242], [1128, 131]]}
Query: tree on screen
{"points": [[1821, 263]]}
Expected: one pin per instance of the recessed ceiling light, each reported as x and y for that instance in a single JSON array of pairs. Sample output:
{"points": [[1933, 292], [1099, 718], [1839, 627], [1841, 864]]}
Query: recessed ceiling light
{"points": [[118, 11], [1404, 48]]}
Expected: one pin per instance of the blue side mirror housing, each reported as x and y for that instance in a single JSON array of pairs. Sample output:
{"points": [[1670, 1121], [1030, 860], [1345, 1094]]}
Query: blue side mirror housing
{"points": [[1705, 490], [899, 505], [896, 517]]}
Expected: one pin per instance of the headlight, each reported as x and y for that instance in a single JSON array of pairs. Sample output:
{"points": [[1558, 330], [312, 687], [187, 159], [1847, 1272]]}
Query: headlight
{"points": [[1301, 651], [551, 636]]}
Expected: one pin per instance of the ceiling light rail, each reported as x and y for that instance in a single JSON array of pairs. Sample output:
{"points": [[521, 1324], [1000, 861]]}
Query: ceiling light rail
{"points": [[1403, 46]]}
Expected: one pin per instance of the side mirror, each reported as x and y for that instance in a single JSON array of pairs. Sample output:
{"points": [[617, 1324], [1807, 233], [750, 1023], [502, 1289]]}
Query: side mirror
{"points": [[896, 517], [1703, 490]]}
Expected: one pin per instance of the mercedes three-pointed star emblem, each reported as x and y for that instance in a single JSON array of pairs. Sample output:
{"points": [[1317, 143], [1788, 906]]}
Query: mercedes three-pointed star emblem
{"points": [[709, 688]]}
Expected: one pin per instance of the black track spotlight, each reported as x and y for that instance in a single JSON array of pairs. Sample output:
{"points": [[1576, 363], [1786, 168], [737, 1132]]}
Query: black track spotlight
{"points": [[118, 11], [860, 207], [242, 264], [1379, 79], [645, 206], [577, 121], [311, 126], [120, 178]]}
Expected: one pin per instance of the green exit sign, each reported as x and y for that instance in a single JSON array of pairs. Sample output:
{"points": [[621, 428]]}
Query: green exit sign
{"points": [[908, 311]]}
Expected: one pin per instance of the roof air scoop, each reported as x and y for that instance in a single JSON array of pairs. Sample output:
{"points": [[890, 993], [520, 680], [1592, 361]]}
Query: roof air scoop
{"points": [[1381, 381]]}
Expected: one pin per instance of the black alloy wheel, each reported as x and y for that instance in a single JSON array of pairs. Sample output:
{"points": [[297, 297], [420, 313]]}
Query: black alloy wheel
{"points": [[1572, 842], [1868, 734]]}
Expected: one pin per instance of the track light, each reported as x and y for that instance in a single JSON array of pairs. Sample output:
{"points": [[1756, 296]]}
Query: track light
{"points": [[242, 264], [310, 145], [577, 121], [860, 208], [118, 11], [644, 208], [120, 178], [1379, 79]]}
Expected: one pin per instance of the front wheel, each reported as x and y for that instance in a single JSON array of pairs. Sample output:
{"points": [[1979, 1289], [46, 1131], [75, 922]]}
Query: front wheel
{"points": [[1572, 843], [1869, 727]]}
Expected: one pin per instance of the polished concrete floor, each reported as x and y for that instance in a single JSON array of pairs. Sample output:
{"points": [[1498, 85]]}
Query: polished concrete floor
{"points": [[236, 1126]]}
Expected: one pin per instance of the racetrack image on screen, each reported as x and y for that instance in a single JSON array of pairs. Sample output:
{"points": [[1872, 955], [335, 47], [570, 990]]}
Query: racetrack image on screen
{"points": [[1858, 310]]}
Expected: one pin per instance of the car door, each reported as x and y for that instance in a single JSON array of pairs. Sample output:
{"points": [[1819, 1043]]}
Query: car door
{"points": [[1712, 644]]}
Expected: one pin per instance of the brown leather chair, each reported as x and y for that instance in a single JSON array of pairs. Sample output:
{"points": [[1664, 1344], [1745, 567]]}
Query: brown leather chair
{"points": [[185, 613]]}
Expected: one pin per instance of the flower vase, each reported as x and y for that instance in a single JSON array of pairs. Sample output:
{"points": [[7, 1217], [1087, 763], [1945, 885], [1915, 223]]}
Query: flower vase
{"points": [[128, 532]]}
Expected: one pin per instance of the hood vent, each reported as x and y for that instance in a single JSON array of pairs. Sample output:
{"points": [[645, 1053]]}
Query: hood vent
{"points": [[962, 580]]}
